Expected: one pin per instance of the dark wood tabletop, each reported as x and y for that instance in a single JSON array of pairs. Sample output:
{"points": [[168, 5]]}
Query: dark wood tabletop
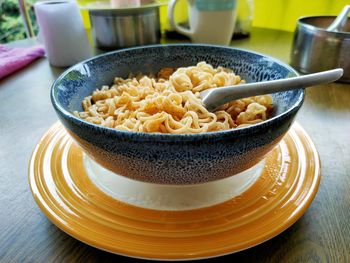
{"points": [[26, 235]]}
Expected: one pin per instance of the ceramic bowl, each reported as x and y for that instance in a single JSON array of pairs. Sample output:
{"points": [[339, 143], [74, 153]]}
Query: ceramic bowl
{"points": [[167, 158]]}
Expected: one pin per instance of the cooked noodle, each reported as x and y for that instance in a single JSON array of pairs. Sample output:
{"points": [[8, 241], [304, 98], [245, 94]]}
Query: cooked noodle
{"points": [[170, 103]]}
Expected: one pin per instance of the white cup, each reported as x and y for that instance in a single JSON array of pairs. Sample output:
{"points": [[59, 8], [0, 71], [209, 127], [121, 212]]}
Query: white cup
{"points": [[62, 31], [210, 21]]}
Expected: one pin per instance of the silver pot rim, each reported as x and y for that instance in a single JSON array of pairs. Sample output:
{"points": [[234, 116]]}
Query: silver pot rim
{"points": [[108, 8], [302, 23]]}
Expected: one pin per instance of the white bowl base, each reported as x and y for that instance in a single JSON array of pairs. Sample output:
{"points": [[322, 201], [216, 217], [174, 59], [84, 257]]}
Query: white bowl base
{"points": [[170, 197]]}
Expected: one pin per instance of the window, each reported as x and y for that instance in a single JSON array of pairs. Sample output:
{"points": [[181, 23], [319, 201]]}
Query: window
{"points": [[11, 22]]}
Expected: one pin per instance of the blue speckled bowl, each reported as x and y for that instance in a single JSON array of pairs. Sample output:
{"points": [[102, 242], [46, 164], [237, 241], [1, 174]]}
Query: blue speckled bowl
{"points": [[168, 158]]}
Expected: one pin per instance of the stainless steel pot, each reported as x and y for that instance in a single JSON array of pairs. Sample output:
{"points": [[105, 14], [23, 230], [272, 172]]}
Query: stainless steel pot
{"points": [[119, 28], [315, 48]]}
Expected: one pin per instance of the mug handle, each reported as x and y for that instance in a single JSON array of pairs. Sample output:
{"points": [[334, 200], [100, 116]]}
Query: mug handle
{"points": [[178, 28]]}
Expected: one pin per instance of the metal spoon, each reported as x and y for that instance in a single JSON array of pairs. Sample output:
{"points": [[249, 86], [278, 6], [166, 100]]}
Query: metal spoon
{"points": [[339, 23], [213, 98]]}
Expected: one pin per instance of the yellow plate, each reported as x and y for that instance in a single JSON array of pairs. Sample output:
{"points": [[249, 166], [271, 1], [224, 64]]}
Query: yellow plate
{"points": [[66, 195]]}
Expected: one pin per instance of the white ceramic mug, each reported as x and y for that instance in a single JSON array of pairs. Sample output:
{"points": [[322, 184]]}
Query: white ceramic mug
{"points": [[62, 31], [210, 21]]}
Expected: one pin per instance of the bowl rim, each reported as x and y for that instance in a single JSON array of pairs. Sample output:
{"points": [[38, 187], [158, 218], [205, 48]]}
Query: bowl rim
{"points": [[169, 136]]}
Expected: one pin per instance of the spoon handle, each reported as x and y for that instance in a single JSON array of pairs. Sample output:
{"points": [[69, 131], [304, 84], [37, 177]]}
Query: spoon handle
{"points": [[339, 23], [214, 98]]}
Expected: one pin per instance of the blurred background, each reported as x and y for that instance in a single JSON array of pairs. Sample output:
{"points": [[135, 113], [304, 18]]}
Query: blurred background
{"points": [[11, 22], [274, 14]]}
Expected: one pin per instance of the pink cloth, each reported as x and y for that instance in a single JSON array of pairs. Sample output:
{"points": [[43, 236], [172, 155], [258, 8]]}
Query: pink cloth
{"points": [[13, 59]]}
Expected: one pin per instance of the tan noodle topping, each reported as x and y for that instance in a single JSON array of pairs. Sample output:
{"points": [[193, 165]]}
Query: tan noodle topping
{"points": [[170, 102]]}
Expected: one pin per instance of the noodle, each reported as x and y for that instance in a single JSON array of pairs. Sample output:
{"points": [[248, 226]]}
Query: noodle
{"points": [[170, 103]]}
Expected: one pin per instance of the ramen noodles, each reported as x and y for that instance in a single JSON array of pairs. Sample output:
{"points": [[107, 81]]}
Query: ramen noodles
{"points": [[169, 102]]}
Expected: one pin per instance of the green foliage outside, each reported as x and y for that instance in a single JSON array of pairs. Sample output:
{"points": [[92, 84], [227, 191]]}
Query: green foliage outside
{"points": [[11, 22]]}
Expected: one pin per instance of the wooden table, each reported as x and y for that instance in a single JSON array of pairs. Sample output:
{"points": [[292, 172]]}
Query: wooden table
{"points": [[26, 235]]}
